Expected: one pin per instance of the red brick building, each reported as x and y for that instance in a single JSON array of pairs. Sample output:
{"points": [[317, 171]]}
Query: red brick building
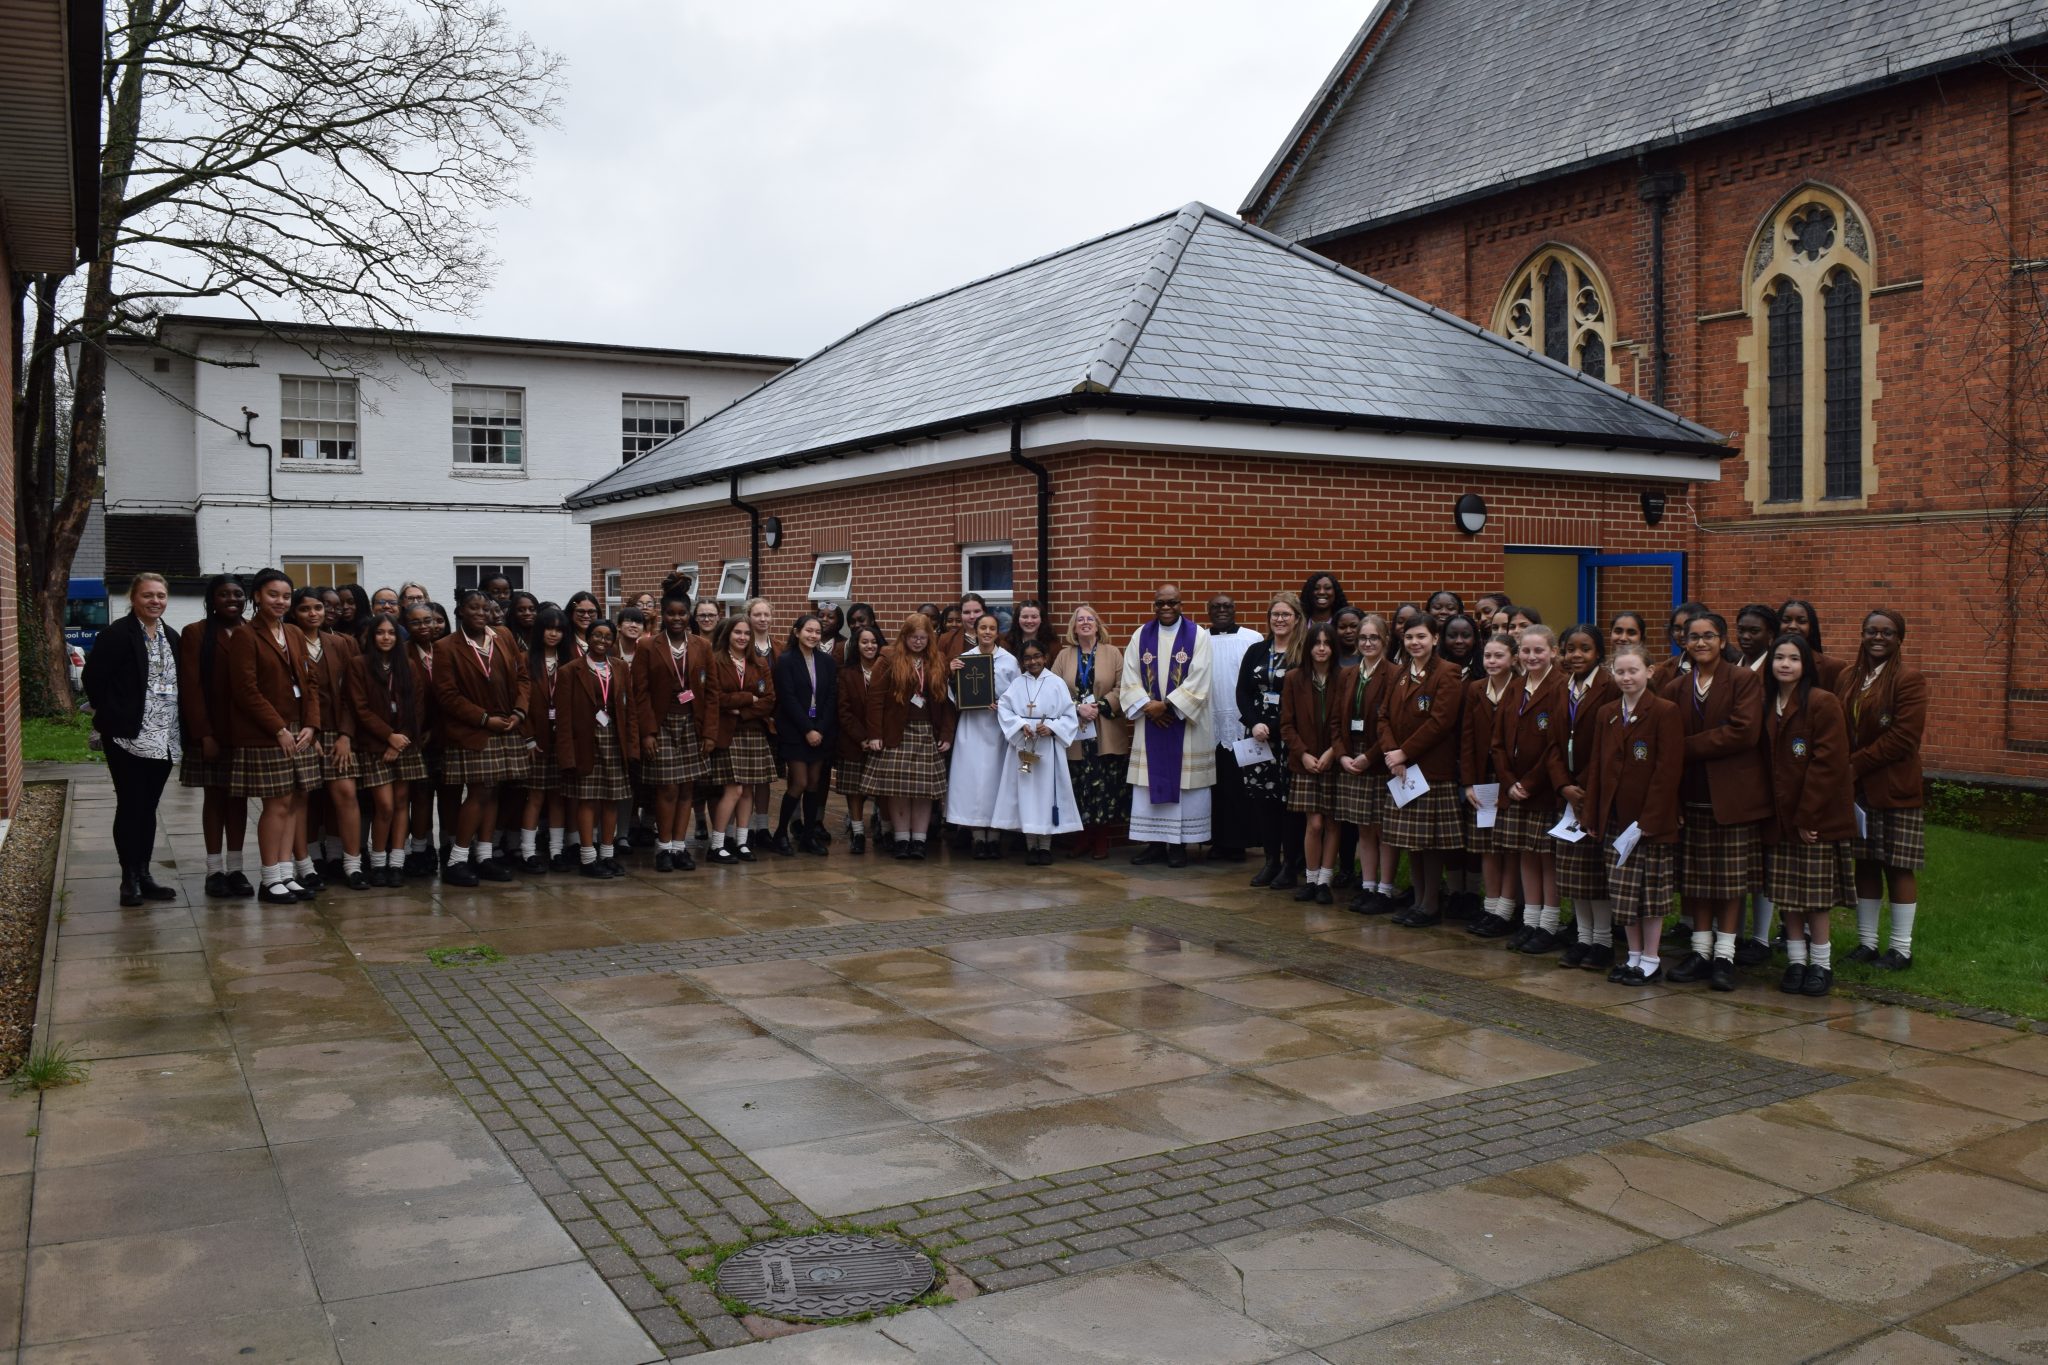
{"points": [[1186, 400], [49, 214], [1816, 228]]}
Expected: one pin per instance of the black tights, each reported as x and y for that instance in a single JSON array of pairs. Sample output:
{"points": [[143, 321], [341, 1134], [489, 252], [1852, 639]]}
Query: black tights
{"points": [[138, 787], [1281, 831]]}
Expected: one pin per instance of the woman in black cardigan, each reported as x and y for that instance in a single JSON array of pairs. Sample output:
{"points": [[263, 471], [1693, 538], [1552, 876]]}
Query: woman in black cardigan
{"points": [[131, 677], [806, 731]]}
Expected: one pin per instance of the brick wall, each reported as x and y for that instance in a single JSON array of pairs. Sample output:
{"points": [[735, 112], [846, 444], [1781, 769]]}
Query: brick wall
{"points": [[1251, 525], [10, 593], [1943, 172]]}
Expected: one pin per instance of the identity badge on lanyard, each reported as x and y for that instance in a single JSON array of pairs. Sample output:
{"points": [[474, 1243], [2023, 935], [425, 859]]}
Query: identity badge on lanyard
{"points": [[684, 696], [604, 690]]}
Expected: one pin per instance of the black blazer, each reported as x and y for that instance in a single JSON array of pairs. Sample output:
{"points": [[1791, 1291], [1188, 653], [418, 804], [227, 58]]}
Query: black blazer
{"points": [[117, 676], [793, 704]]}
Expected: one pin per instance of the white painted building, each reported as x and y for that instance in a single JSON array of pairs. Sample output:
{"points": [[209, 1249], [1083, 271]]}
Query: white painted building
{"points": [[340, 457]]}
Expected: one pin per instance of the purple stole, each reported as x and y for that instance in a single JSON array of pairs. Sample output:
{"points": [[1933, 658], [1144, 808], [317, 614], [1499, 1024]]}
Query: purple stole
{"points": [[1163, 743]]}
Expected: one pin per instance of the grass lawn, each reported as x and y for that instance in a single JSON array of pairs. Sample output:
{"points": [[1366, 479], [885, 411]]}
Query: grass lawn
{"points": [[1981, 937], [56, 741]]}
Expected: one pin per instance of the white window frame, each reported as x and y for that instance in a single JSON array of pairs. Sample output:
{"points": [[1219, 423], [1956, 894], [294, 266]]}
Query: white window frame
{"points": [[330, 397], [745, 593], [492, 408], [614, 592], [677, 410], [996, 597], [294, 567], [820, 590], [514, 569]]}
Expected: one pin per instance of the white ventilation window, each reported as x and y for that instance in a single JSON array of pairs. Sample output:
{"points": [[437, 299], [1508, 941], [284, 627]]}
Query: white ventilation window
{"points": [[474, 573], [318, 420], [831, 578], [490, 426], [986, 569], [736, 583], [645, 422]]}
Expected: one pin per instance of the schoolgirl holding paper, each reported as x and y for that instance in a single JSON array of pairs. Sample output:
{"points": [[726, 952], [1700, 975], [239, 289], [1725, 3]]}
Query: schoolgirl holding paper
{"points": [[1527, 731], [1310, 701], [1418, 725], [1581, 869], [388, 695], [1637, 770], [1484, 696]]}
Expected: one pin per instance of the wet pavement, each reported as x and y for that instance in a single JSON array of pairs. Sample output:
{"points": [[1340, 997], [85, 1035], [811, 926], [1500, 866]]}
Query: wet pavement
{"points": [[1140, 1115]]}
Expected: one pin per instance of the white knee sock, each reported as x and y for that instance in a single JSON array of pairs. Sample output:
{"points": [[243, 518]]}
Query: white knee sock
{"points": [[1602, 917], [1703, 942], [302, 867], [1763, 914], [1902, 926], [1795, 951], [1724, 946], [1867, 912], [351, 862], [527, 839], [1499, 906], [458, 854], [379, 858], [215, 863], [555, 837], [232, 860], [1824, 955], [586, 854], [1549, 917]]}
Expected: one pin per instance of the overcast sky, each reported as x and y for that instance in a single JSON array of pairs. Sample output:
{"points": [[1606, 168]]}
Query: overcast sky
{"points": [[767, 176]]}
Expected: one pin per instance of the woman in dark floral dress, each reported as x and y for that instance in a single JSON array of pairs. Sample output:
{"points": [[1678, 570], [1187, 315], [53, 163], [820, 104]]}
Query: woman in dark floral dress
{"points": [[1258, 701]]}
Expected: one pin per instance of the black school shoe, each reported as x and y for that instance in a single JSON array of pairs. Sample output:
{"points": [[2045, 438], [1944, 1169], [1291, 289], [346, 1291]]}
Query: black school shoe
{"points": [[277, 893], [356, 880], [1264, 876], [1721, 976], [781, 846], [1575, 954], [217, 885], [744, 853], [722, 856], [1599, 957], [1619, 972], [1863, 953], [1751, 952], [238, 885], [1307, 892], [1819, 980], [594, 869], [1892, 961], [491, 870], [1794, 980], [1692, 968], [312, 881], [857, 843], [664, 861], [611, 867], [1177, 855], [1537, 942], [1492, 926], [459, 874]]}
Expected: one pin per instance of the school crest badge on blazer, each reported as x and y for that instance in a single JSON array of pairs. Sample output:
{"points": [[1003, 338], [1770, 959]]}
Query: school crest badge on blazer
{"points": [[1885, 719], [1640, 750], [1422, 702], [1543, 720], [1799, 748]]}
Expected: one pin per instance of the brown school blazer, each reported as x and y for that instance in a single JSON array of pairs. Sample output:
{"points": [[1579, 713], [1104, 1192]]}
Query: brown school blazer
{"points": [[1352, 743], [1421, 719], [330, 675], [1810, 783], [1528, 736], [1636, 769], [1827, 672], [1573, 755], [853, 708], [889, 713], [260, 681], [1886, 724], [1298, 715], [654, 686], [376, 722], [578, 699], [464, 698], [543, 704], [736, 704], [1475, 732], [1728, 742], [203, 710]]}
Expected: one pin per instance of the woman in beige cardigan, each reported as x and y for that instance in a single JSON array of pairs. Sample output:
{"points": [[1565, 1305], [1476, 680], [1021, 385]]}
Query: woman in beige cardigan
{"points": [[1091, 668]]}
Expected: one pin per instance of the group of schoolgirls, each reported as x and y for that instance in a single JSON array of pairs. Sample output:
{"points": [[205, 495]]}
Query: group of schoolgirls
{"points": [[1748, 768]]}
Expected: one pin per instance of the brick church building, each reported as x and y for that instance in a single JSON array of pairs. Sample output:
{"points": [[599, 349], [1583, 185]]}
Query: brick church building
{"points": [[1816, 228]]}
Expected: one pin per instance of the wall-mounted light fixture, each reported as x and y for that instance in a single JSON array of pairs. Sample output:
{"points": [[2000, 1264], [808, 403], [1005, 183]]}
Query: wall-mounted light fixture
{"points": [[1653, 508], [1470, 514], [771, 532]]}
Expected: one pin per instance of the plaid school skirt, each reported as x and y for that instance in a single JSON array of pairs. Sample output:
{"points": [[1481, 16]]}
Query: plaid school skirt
{"points": [[270, 771], [1582, 870], [1811, 878], [849, 775], [605, 779], [501, 760], [1717, 861], [678, 752], [373, 771], [1644, 887], [1429, 822], [1524, 826], [194, 771], [1361, 798], [333, 769], [746, 762], [543, 772], [1891, 838], [914, 769], [1312, 793], [1477, 840]]}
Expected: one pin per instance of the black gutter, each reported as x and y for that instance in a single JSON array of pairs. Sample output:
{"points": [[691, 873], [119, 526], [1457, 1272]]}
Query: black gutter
{"points": [[85, 39], [1017, 457], [269, 477], [753, 536], [1600, 440], [1657, 189]]}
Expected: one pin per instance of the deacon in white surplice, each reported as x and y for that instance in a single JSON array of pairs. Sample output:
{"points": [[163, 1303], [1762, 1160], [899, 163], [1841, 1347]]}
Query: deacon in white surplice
{"points": [[1039, 721], [1165, 690], [979, 753]]}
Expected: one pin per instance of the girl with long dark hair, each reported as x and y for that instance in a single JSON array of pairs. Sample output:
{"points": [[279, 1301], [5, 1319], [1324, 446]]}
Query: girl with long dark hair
{"points": [[548, 652], [1813, 867], [387, 692]]}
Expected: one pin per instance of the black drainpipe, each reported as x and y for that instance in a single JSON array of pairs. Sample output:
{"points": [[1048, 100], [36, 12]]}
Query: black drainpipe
{"points": [[1657, 190], [1044, 515], [753, 538]]}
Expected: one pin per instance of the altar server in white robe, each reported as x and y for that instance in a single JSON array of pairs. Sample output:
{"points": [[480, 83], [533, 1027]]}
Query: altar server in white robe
{"points": [[1165, 690], [979, 751], [1235, 827], [1037, 794]]}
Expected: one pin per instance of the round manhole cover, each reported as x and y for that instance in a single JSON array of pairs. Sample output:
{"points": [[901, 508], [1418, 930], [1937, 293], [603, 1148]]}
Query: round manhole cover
{"points": [[825, 1275]]}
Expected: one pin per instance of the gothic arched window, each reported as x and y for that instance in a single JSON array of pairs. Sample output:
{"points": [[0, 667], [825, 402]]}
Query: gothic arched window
{"points": [[1558, 304]]}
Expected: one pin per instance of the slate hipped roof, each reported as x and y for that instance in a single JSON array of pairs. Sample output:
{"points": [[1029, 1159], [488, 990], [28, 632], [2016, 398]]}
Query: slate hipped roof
{"points": [[1463, 98], [1192, 311]]}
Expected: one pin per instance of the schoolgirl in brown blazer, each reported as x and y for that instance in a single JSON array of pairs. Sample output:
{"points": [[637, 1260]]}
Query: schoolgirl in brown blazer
{"points": [[1887, 709], [910, 729], [1581, 872], [273, 728], [481, 691], [857, 676], [742, 705], [388, 693], [1312, 719], [423, 629], [1799, 617], [1637, 770], [1527, 730], [597, 723], [550, 649], [1726, 796], [1361, 798], [203, 713], [1484, 696], [333, 812], [1418, 727], [1812, 866], [672, 680]]}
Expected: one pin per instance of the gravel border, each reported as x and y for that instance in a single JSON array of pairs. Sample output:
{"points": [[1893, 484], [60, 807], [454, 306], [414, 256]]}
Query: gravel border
{"points": [[28, 872]]}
